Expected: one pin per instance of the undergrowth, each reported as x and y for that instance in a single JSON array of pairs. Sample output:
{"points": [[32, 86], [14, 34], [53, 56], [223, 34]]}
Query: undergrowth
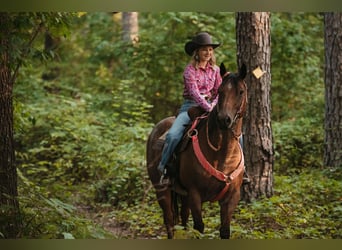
{"points": [[304, 206], [44, 216]]}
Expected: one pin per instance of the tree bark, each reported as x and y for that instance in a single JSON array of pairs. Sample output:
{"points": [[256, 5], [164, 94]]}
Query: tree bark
{"points": [[254, 49], [130, 26], [333, 90], [9, 206]]}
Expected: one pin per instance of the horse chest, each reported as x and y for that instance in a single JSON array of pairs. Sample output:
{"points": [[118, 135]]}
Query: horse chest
{"points": [[226, 163]]}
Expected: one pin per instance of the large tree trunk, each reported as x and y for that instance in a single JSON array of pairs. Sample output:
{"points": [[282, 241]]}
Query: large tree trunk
{"points": [[130, 26], [9, 206], [333, 90], [254, 49]]}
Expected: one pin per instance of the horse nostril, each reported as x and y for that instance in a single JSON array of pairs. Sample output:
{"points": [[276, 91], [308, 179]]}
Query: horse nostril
{"points": [[225, 121]]}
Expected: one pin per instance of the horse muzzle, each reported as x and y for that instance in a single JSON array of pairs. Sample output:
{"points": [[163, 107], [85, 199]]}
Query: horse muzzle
{"points": [[225, 121]]}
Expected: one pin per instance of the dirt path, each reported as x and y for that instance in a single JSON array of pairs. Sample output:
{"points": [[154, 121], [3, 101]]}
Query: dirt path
{"points": [[107, 221]]}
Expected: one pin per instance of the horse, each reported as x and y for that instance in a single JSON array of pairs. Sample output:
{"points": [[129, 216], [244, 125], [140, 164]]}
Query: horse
{"points": [[210, 165]]}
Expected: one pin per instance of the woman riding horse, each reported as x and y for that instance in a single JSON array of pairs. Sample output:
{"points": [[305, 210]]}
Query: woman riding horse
{"points": [[201, 82], [211, 166]]}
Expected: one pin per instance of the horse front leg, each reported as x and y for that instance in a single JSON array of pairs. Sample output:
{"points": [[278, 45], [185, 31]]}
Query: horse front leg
{"points": [[226, 212], [185, 211], [195, 204], [225, 221]]}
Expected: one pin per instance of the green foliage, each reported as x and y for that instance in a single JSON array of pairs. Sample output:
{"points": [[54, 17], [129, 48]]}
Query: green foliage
{"points": [[305, 205], [26, 33], [297, 65], [74, 144], [297, 90], [298, 144], [46, 217]]}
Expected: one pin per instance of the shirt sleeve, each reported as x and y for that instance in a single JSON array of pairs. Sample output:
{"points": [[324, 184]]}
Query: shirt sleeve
{"points": [[218, 81], [190, 84]]}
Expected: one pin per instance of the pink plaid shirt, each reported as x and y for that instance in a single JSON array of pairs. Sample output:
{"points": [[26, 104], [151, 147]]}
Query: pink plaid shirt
{"points": [[201, 85]]}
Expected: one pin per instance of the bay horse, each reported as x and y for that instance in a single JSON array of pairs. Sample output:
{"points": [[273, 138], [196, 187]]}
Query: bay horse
{"points": [[210, 166]]}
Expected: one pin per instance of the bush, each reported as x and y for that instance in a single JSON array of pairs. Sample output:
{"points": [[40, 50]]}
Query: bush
{"points": [[298, 144], [45, 217]]}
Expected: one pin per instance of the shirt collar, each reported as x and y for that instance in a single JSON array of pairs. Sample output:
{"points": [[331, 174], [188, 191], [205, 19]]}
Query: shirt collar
{"points": [[208, 66]]}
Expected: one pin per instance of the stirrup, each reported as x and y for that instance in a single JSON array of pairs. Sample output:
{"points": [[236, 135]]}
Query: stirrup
{"points": [[163, 180]]}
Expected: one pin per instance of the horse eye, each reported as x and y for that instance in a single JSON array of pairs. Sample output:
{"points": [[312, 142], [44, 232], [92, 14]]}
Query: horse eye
{"points": [[241, 92]]}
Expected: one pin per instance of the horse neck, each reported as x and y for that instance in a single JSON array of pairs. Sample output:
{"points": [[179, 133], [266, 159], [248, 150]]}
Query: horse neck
{"points": [[225, 142]]}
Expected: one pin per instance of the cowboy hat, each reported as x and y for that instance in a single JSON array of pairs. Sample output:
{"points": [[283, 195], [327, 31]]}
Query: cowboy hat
{"points": [[201, 39]]}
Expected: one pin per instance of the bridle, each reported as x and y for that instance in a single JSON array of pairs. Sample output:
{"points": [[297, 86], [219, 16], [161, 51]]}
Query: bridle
{"points": [[237, 115]]}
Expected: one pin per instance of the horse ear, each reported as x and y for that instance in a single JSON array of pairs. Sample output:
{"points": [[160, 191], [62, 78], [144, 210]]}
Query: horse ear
{"points": [[223, 69], [243, 71]]}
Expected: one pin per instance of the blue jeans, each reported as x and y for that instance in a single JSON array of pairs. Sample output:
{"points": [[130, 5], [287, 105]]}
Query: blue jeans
{"points": [[175, 133]]}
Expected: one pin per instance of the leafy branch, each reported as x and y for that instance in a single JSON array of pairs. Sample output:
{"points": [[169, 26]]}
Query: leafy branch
{"points": [[26, 50]]}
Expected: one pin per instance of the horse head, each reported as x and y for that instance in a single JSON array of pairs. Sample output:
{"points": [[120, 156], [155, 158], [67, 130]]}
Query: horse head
{"points": [[232, 98]]}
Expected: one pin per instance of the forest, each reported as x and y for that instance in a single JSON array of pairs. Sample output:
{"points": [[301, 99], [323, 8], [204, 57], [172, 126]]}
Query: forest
{"points": [[85, 100]]}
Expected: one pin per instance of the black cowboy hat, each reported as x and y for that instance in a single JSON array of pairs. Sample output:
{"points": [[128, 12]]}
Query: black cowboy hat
{"points": [[201, 39]]}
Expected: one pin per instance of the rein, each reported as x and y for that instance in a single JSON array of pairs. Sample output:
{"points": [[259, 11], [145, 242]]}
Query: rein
{"points": [[193, 133]]}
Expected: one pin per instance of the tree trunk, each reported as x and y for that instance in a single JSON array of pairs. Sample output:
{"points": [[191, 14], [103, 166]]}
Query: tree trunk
{"points": [[333, 90], [254, 49], [130, 26], [9, 206]]}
